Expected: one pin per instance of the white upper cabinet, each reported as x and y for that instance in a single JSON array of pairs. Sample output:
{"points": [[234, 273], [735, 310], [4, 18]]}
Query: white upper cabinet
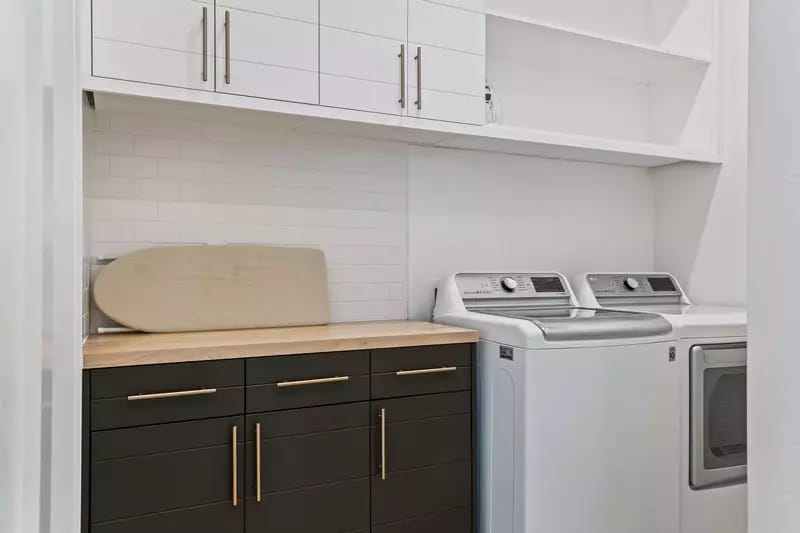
{"points": [[362, 50], [369, 60], [446, 61], [350, 54], [267, 56], [165, 42]]}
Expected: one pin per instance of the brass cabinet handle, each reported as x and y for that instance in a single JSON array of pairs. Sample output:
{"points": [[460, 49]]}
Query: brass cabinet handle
{"points": [[312, 381], [228, 47], [258, 461], [175, 394], [418, 58], [402, 56], [205, 44], [426, 371], [235, 470], [383, 444]]}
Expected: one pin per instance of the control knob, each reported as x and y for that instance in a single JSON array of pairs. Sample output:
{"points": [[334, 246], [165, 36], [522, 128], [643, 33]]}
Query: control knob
{"points": [[631, 284], [508, 284]]}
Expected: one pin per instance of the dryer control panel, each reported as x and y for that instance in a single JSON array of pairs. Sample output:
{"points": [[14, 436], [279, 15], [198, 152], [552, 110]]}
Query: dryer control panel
{"points": [[633, 285]]}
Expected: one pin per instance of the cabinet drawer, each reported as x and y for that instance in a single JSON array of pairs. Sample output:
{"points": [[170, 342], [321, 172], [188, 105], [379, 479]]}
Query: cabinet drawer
{"points": [[212, 518], [393, 359], [420, 492], [421, 370], [276, 383], [125, 381], [124, 412], [453, 521], [314, 459], [138, 396], [158, 482], [331, 508]]}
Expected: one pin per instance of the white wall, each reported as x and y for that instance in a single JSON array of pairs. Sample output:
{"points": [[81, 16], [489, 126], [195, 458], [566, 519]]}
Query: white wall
{"points": [[701, 221], [473, 210], [774, 268], [39, 318]]}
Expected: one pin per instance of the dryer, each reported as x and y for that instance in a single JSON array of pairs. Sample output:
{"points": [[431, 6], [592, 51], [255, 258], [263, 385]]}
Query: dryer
{"points": [[577, 426], [712, 355]]}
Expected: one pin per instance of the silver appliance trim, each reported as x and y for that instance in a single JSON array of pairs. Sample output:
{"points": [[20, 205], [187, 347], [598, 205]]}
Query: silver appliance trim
{"points": [[583, 323], [733, 357]]}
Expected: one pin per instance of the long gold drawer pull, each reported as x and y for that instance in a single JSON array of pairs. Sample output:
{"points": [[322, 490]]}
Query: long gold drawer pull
{"points": [[383, 444], [258, 461], [175, 394], [235, 470], [312, 381], [426, 371]]}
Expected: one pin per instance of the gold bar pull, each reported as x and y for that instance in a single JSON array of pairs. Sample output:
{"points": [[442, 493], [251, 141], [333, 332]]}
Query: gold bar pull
{"points": [[426, 371], [312, 381], [235, 470], [383, 444], [402, 57], [205, 44], [228, 47], [419, 77], [258, 461], [176, 394]]}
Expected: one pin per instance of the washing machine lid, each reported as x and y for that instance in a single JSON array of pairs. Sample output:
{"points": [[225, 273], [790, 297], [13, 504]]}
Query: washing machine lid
{"points": [[583, 323]]}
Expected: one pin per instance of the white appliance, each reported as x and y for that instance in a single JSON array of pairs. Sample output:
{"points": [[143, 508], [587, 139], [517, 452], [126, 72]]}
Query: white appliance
{"points": [[577, 426], [712, 355]]}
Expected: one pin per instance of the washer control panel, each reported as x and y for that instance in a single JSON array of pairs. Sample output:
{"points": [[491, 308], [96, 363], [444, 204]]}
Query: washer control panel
{"points": [[633, 285], [511, 286]]}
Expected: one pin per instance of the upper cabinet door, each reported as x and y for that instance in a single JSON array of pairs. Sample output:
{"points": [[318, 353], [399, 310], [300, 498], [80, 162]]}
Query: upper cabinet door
{"points": [[446, 62], [260, 52], [362, 55], [166, 42]]}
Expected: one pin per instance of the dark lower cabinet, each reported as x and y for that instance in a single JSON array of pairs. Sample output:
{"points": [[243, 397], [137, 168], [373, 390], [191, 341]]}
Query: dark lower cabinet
{"points": [[284, 444], [149, 478]]}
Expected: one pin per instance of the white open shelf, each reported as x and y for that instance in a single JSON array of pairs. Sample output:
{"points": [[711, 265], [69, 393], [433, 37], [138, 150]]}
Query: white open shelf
{"points": [[632, 90], [563, 47]]}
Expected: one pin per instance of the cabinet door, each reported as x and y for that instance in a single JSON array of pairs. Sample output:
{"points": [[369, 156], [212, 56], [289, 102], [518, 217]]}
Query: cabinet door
{"points": [[362, 55], [259, 54], [422, 469], [166, 42], [313, 458], [168, 477], [446, 63]]}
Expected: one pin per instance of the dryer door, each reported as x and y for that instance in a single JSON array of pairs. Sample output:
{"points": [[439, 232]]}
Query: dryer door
{"points": [[718, 436]]}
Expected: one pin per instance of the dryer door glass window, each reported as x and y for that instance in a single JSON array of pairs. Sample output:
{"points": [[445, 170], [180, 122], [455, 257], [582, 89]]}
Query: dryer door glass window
{"points": [[725, 432]]}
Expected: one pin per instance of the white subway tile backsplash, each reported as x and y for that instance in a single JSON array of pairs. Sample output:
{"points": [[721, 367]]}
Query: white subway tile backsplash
{"points": [[113, 143], [158, 190], [133, 167], [180, 170], [111, 209], [109, 188], [157, 147], [155, 181], [202, 151]]}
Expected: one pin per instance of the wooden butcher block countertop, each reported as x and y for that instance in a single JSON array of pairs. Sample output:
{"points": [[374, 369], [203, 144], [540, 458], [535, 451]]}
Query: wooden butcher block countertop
{"points": [[130, 349]]}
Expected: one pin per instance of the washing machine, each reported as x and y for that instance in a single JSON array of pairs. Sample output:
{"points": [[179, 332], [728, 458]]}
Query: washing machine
{"points": [[577, 426], [712, 356]]}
